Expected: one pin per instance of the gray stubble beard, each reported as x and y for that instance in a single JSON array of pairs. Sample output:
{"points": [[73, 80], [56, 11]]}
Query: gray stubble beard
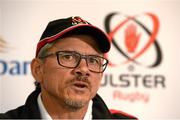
{"points": [[75, 105]]}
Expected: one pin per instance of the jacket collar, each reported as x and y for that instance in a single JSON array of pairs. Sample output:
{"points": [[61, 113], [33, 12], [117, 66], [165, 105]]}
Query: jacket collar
{"points": [[99, 109]]}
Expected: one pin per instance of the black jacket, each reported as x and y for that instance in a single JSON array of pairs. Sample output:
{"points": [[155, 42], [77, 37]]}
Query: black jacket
{"points": [[31, 111]]}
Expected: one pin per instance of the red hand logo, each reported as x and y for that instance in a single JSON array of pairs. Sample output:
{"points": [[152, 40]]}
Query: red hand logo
{"points": [[131, 38]]}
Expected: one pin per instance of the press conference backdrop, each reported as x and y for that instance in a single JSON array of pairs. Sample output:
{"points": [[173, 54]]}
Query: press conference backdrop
{"points": [[143, 75]]}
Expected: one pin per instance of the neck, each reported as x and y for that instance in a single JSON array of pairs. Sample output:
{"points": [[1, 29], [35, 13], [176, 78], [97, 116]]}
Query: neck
{"points": [[57, 109]]}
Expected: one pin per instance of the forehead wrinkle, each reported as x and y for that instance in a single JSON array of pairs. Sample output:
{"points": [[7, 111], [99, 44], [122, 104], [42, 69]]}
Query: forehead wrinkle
{"points": [[90, 41]]}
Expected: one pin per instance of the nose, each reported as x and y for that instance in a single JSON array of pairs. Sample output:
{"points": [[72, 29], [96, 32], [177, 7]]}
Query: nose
{"points": [[82, 68]]}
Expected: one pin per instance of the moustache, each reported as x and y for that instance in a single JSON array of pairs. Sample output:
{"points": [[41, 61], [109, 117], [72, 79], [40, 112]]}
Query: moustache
{"points": [[83, 79]]}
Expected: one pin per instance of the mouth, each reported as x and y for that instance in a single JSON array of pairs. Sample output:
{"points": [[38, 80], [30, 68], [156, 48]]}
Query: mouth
{"points": [[80, 86]]}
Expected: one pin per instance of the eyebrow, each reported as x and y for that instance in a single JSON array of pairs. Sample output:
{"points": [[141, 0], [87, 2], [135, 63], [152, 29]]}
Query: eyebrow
{"points": [[71, 49], [75, 51]]}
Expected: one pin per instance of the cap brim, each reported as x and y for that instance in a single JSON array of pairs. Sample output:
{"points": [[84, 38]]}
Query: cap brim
{"points": [[101, 38]]}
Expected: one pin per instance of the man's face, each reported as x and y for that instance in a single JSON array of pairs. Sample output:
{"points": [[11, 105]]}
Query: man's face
{"points": [[71, 86]]}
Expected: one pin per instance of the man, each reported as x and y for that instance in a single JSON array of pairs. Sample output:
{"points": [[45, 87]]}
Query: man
{"points": [[68, 69]]}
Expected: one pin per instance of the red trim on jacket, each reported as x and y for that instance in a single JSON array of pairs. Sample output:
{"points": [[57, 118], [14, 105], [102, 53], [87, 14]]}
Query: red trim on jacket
{"points": [[113, 111]]}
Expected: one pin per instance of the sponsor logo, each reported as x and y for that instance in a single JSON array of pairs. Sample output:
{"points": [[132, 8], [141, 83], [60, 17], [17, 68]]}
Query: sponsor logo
{"points": [[134, 43], [12, 67], [3, 45]]}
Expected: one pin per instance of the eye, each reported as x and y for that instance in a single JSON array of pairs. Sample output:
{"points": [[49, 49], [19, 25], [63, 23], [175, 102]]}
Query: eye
{"points": [[94, 60], [67, 57]]}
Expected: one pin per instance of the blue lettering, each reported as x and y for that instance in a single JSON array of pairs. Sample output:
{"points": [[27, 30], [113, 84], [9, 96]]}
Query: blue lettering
{"points": [[26, 65], [3, 67], [14, 67]]}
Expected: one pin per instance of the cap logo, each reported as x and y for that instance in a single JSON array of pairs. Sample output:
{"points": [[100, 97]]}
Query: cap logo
{"points": [[77, 20]]}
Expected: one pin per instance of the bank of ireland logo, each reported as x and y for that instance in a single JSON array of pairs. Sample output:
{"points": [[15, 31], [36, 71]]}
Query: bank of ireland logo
{"points": [[133, 37], [3, 45]]}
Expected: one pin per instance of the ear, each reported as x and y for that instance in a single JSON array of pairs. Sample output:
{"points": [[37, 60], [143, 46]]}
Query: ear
{"points": [[36, 69]]}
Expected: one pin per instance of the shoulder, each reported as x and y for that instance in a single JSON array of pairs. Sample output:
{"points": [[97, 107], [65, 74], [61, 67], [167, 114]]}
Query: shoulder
{"points": [[15, 113], [28, 110], [101, 111], [120, 114]]}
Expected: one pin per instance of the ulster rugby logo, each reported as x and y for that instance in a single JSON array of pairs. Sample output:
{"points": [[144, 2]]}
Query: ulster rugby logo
{"points": [[133, 37]]}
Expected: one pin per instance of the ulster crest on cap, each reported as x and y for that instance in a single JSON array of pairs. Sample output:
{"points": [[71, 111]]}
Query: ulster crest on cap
{"points": [[77, 20]]}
